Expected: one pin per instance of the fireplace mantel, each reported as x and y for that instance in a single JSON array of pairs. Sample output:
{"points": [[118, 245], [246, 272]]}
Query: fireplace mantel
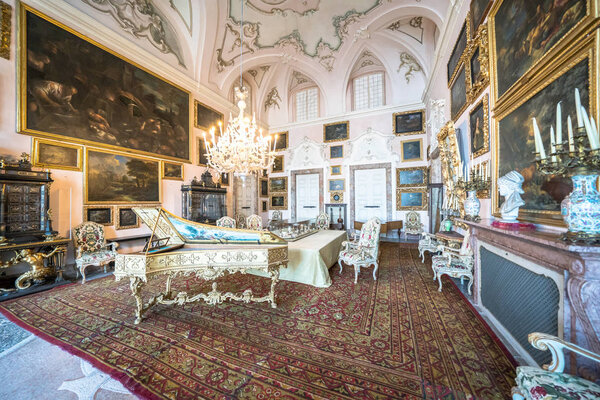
{"points": [[581, 264]]}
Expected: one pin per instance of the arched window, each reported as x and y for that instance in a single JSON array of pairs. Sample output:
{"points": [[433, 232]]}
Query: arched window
{"points": [[307, 104], [367, 91]]}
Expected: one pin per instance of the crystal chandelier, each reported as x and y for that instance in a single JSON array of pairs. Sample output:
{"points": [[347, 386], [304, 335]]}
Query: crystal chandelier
{"points": [[242, 148]]}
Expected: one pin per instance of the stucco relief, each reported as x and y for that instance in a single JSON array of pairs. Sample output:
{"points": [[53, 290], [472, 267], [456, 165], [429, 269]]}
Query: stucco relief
{"points": [[231, 42], [272, 99], [412, 28], [308, 154], [410, 65], [372, 146], [258, 74], [437, 119]]}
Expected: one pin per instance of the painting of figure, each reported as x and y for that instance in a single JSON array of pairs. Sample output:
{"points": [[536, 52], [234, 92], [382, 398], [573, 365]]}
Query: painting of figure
{"points": [[409, 123], [264, 187], [118, 178], [458, 94], [336, 131], [77, 91], [526, 30], [477, 124], [202, 157], [479, 9], [206, 117], [516, 140], [475, 66], [457, 52], [225, 179]]}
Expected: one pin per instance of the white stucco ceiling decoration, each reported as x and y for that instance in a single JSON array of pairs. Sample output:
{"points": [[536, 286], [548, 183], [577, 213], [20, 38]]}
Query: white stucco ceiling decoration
{"points": [[141, 19], [412, 27], [272, 99], [258, 74], [284, 6], [297, 79], [410, 65]]}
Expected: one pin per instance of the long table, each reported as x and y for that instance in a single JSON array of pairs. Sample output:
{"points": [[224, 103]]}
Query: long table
{"points": [[309, 259]]}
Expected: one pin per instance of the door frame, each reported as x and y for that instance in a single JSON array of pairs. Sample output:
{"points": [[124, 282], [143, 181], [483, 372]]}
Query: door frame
{"points": [[388, 191], [292, 199]]}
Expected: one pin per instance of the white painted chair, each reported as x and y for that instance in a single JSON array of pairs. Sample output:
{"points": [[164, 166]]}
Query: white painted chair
{"points": [[91, 247], [226, 222], [322, 221], [428, 243], [454, 263], [551, 382], [277, 215], [365, 251], [412, 224], [254, 222]]}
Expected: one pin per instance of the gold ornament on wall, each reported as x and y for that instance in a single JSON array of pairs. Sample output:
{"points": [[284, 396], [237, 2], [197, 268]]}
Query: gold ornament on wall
{"points": [[5, 29]]}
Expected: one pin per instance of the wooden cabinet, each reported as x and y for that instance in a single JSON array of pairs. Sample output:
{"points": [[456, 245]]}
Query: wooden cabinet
{"points": [[204, 201]]}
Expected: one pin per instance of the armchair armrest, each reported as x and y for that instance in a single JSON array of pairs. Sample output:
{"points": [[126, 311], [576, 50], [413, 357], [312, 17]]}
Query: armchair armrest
{"points": [[112, 245], [346, 244], [543, 341]]}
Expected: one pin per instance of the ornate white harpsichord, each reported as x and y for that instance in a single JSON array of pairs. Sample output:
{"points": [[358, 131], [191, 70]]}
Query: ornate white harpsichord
{"points": [[181, 247]]}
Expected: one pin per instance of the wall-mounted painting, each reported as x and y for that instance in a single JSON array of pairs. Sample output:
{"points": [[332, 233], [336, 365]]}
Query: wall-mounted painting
{"points": [[336, 151], [172, 171], [5, 29], [409, 122], [417, 176], [278, 201], [411, 199], [201, 151], [277, 164], [463, 144], [264, 187], [50, 154], [224, 179], [282, 141], [336, 197], [336, 131], [412, 150], [457, 51], [458, 94], [526, 31], [479, 118], [115, 178], [337, 185], [336, 170], [514, 134], [478, 11], [206, 117], [74, 89], [99, 215], [265, 206], [278, 184], [126, 218]]}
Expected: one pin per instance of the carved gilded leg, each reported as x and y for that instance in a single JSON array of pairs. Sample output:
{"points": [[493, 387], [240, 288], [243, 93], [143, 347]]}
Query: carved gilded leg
{"points": [[274, 279], [135, 284], [24, 281]]}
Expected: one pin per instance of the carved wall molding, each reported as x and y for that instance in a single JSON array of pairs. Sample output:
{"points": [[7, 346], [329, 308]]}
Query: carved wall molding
{"points": [[258, 74], [413, 28], [372, 146], [272, 99], [410, 63], [308, 154]]}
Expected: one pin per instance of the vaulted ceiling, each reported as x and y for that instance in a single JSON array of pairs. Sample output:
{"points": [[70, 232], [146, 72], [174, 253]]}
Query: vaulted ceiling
{"points": [[323, 40]]}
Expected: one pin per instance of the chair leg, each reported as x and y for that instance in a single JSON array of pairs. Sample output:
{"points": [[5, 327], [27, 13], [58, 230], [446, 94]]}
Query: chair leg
{"points": [[422, 254], [82, 271], [356, 270], [470, 284], [375, 271], [434, 271], [340, 262], [439, 278]]}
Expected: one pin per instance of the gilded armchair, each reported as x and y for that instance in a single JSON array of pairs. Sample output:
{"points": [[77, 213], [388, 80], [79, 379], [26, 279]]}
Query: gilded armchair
{"points": [[551, 382], [428, 242], [455, 263], [226, 222], [254, 222], [413, 225], [322, 221], [91, 247], [365, 251], [240, 220]]}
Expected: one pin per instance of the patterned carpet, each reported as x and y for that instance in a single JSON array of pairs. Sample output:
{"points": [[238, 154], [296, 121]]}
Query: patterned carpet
{"points": [[394, 338]]}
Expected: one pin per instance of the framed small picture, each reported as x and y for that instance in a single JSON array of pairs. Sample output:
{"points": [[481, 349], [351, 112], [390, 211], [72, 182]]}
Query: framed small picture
{"points": [[206, 117], [282, 141], [102, 215], [409, 123], [265, 206], [416, 176], [201, 148], [479, 127], [264, 187], [265, 173], [278, 184], [225, 179], [336, 131], [277, 164], [173, 171], [337, 185], [412, 150], [336, 197], [336, 151], [278, 201], [413, 199], [49, 154], [336, 170], [126, 218]]}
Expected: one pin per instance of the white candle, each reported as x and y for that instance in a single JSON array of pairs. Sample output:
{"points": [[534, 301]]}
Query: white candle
{"points": [[558, 124], [578, 108], [552, 144], [539, 148], [595, 129], [570, 130], [588, 129]]}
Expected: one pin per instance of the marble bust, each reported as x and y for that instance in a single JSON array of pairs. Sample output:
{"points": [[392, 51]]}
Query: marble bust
{"points": [[509, 187]]}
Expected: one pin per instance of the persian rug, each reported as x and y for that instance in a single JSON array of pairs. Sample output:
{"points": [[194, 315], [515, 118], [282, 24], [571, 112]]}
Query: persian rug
{"points": [[394, 338]]}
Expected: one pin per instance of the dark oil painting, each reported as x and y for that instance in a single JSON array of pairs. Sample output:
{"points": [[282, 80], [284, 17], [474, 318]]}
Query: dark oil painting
{"points": [[172, 171], [478, 10], [516, 143], [264, 206], [335, 132], [458, 94], [411, 150], [282, 141], [100, 215], [127, 217], [278, 201], [526, 30], [278, 184], [59, 156], [225, 179], [118, 179], [459, 48], [202, 158], [407, 123], [476, 126], [206, 118], [277, 164], [77, 90], [411, 177], [336, 151], [264, 187], [475, 66]]}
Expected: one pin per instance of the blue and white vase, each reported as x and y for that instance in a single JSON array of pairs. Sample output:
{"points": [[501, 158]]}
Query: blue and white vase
{"points": [[472, 205], [581, 208]]}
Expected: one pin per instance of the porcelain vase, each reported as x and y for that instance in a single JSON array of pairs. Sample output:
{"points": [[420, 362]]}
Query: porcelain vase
{"points": [[472, 205], [581, 208]]}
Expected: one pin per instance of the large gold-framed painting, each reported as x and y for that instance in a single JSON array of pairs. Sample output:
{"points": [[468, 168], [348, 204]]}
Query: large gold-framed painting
{"points": [[514, 131], [524, 32], [73, 89], [120, 179]]}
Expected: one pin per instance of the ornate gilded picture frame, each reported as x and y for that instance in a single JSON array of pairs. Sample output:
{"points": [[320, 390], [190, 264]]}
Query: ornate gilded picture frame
{"points": [[479, 129], [102, 215], [5, 29], [336, 151], [202, 159], [126, 218], [411, 199], [335, 170], [336, 131], [337, 185], [415, 176], [278, 184], [172, 171], [263, 188], [478, 10], [412, 150], [224, 179], [477, 65], [458, 94], [278, 201], [82, 92], [336, 197], [409, 122], [278, 164], [283, 140], [265, 206], [57, 155], [458, 51], [206, 117]]}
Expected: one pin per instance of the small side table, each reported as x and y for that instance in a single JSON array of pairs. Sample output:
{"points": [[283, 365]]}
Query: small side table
{"points": [[451, 239]]}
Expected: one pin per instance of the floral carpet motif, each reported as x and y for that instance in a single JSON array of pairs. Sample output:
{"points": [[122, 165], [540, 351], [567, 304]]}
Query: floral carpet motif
{"points": [[396, 337]]}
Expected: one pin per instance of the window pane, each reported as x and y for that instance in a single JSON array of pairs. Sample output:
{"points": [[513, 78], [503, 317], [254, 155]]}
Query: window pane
{"points": [[307, 104], [368, 91]]}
